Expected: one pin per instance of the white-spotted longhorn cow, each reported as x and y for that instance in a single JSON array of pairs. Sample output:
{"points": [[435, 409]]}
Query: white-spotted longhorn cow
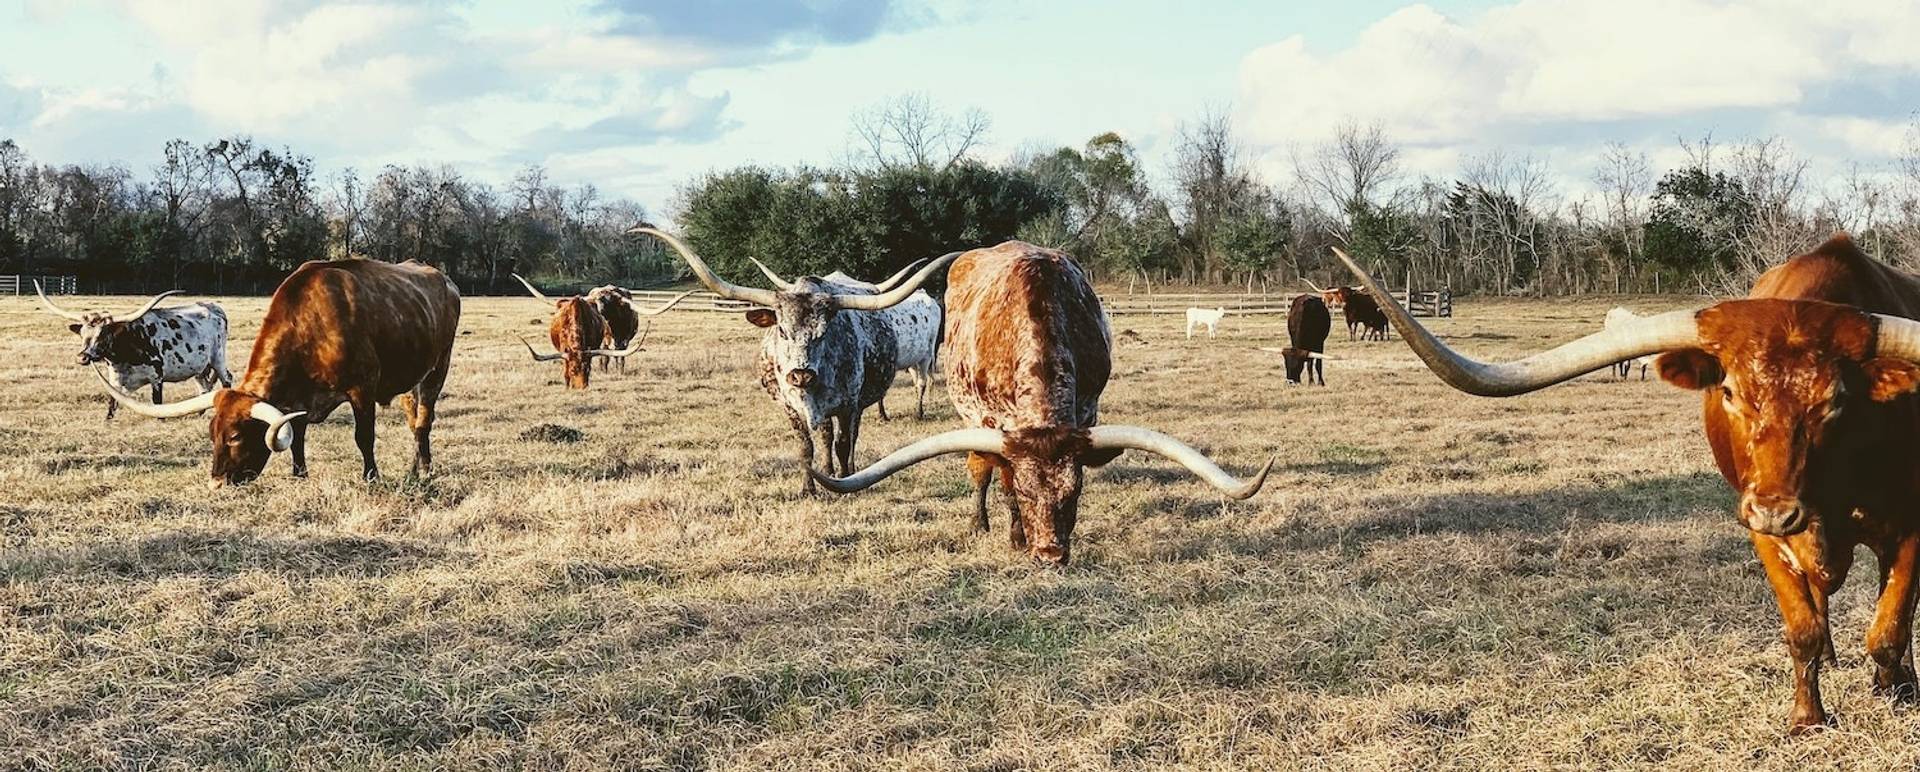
{"points": [[153, 346], [916, 332], [825, 356], [1027, 353]]}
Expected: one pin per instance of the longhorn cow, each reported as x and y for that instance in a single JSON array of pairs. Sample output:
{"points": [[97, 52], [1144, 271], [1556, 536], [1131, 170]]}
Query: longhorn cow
{"points": [[578, 330], [825, 356], [916, 332], [351, 331], [153, 346], [1807, 400], [1027, 353]]}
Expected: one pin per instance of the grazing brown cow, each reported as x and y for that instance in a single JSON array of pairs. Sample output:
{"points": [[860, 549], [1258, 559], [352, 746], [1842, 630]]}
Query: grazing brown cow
{"points": [[355, 331], [1026, 355], [1807, 400], [577, 332], [1362, 312], [1307, 326]]}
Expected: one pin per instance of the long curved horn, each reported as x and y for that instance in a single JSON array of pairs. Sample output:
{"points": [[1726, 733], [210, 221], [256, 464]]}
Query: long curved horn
{"points": [[955, 441], [894, 280], [706, 275], [669, 304], [1137, 438], [606, 352], [279, 433], [150, 304], [899, 293], [529, 286], [54, 309], [1643, 336], [1316, 287], [538, 357], [782, 284], [199, 404], [1898, 337]]}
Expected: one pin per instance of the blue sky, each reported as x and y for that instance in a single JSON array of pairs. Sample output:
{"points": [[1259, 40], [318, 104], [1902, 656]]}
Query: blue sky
{"points": [[637, 96]]}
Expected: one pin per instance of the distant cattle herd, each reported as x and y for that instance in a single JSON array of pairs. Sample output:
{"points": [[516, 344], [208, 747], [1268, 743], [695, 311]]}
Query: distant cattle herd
{"points": [[1807, 390]]}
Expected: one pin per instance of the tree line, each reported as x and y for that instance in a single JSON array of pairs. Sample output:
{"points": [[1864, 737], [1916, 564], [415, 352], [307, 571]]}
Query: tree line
{"points": [[234, 216]]}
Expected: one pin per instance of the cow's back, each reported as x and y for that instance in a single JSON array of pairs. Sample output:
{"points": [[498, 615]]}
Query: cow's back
{"points": [[1026, 343], [1839, 272], [343, 321], [1308, 323]]}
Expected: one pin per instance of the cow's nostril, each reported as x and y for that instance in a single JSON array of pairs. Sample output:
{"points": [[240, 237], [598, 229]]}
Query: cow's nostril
{"points": [[800, 378]]}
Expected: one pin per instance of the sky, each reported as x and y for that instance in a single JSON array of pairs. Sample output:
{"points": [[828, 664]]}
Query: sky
{"points": [[638, 97]]}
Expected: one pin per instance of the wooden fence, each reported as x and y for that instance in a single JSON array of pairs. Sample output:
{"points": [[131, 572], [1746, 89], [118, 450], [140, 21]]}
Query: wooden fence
{"points": [[1425, 303], [14, 284]]}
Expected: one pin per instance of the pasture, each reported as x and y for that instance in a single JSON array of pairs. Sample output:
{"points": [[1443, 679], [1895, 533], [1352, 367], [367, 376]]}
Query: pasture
{"points": [[1429, 580]]}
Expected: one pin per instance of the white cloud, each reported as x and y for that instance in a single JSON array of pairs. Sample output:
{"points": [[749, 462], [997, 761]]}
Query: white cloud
{"points": [[1547, 75]]}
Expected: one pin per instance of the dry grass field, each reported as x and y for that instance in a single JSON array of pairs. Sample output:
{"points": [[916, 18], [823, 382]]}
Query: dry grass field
{"points": [[1429, 580]]}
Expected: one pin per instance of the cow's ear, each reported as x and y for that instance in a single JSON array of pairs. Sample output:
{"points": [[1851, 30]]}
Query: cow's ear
{"points": [[74, 328], [1097, 457], [761, 317], [1891, 377], [1690, 368]]}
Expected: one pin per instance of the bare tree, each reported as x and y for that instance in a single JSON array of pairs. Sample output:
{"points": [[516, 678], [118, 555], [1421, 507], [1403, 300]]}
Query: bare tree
{"points": [[908, 131], [1349, 172], [1625, 180]]}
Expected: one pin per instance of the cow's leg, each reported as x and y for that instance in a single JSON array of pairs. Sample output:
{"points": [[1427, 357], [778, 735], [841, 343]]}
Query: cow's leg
{"points": [[922, 380], [1320, 371], [113, 406], [882, 404], [806, 451], [299, 446], [1805, 629], [980, 470], [828, 435], [421, 411], [1889, 640], [849, 436], [363, 415], [156, 392], [1016, 525]]}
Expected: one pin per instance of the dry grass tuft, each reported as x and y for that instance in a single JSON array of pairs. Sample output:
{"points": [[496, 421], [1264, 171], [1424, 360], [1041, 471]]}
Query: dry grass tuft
{"points": [[1430, 581]]}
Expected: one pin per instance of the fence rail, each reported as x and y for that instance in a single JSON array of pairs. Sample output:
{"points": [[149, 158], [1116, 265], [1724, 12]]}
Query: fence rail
{"points": [[17, 284], [1424, 303]]}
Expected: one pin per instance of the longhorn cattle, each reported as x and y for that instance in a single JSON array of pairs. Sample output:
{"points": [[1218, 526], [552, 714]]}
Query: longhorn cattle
{"points": [[1308, 323], [355, 331], [615, 304], [916, 333], [1361, 310], [824, 357], [153, 346], [1807, 399], [578, 330], [1027, 353]]}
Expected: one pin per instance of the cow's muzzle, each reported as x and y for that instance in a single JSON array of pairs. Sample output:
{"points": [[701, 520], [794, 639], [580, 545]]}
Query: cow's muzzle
{"points": [[1050, 554], [1773, 515], [800, 379]]}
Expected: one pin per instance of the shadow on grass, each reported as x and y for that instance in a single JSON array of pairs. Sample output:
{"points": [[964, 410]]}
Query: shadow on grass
{"points": [[1656, 499], [219, 554]]}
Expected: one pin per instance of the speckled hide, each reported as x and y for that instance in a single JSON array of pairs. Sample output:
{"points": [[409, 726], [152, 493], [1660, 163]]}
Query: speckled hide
{"points": [[824, 366], [165, 345], [916, 332], [1026, 343]]}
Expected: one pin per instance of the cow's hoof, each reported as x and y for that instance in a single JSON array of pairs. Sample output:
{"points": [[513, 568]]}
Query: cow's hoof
{"points": [[1802, 725], [1901, 688], [300, 473]]}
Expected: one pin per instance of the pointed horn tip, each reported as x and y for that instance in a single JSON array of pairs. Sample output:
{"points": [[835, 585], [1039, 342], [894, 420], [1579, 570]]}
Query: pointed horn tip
{"points": [[1253, 486]]}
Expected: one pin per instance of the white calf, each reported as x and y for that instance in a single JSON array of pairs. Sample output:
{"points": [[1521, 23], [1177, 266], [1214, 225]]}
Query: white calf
{"points": [[1208, 317]]}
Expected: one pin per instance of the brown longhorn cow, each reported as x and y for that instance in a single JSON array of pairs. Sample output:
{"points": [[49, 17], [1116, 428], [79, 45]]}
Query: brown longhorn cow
{"points": [[1807, 396], [355, 331], [578, 330], [1027, 353]]}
